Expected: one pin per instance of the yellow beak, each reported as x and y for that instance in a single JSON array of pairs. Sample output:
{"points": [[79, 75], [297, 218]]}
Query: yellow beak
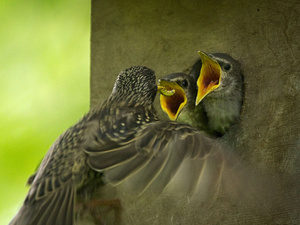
{"points": [[172, 98], [209, 78]]}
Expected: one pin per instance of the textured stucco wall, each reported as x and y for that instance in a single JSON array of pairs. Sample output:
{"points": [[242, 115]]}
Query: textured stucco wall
{"points": [[263, 35]]}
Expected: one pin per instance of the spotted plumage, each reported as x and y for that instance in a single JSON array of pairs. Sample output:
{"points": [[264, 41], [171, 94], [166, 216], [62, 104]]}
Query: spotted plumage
{"points": [[65, 172]]}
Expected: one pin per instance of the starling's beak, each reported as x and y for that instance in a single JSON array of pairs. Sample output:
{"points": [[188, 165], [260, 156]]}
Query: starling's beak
{"points": [[172, 98], [209, 78]]}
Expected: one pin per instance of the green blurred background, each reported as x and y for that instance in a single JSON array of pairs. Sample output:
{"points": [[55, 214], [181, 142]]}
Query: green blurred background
{"points": [[44, 80]]}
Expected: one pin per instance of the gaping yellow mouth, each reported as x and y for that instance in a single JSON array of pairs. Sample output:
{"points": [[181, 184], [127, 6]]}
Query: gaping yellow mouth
{"points": [[209, 78], [172, 98]]}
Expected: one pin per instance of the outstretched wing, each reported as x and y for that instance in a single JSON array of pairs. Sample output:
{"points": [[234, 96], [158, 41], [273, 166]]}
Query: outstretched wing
{"points": [[163, 155]]}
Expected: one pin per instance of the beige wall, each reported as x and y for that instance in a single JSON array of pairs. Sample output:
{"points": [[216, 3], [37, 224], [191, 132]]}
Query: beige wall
{"points": [[166, 35]]}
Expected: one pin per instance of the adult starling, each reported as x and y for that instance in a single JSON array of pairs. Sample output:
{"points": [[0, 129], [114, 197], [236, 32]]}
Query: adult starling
{"points": [[66, 176], [122, 141], [210, 101]]}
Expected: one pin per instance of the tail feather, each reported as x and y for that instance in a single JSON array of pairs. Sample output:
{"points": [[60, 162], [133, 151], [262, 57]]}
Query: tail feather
{"points": [[56, 207]]}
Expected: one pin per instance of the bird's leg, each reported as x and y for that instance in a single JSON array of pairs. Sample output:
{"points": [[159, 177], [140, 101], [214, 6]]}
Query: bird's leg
{"points": [[94, 206]]}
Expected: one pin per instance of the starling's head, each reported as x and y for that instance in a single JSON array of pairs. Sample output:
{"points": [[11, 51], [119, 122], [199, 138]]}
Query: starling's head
{"points": [[178, 91], [220, 75], [135, 84]]}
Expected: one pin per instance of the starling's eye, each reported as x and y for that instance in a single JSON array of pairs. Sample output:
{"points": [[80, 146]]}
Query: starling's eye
{"points": [[184, 83], [227, 66]]}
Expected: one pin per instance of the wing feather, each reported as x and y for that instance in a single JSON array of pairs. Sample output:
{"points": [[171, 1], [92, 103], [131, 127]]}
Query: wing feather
{"points": [[56, 207], [163, 153]]}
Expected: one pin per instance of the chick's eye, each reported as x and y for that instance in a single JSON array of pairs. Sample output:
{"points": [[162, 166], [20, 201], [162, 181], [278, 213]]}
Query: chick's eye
{"points": [[227, 66], [184, 83]]}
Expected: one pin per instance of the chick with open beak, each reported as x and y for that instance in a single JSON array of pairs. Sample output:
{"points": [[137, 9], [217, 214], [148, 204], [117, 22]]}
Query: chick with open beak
{"points": [[172, 98], [209, 97]]}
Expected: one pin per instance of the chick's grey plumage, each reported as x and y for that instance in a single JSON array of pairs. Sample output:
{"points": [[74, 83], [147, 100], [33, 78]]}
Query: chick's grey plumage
{"points": [[190, 114], [221, 107]]}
